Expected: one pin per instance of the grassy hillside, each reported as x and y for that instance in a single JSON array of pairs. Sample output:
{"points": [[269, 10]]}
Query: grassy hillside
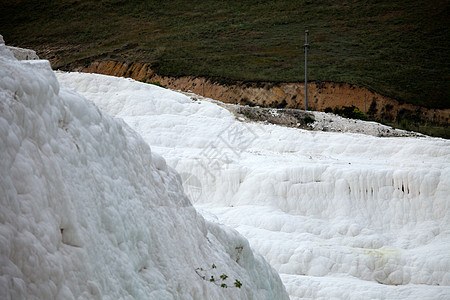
{"points": [[397, 48]]}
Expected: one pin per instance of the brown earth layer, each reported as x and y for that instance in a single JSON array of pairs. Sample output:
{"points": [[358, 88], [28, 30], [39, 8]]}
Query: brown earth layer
{"points": [[321, 95]]}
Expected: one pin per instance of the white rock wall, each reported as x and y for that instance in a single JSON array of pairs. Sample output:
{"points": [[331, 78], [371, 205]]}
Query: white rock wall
{"points": [[349, 216], [87, 211]]}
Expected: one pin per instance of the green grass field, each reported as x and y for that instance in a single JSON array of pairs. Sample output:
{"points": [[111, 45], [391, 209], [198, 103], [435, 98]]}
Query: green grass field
{"points": [[397, 48]]}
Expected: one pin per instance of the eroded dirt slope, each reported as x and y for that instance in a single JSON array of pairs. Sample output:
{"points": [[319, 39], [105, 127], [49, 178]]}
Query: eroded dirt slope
{"points": [[321, 95]]}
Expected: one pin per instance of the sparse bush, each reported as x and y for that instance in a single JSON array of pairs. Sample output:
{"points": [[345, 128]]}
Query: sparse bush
{"points": [[351, 112], [389, 107], [357, 114], [337, 111], [308, 120], [283, 104], [373, 108]]}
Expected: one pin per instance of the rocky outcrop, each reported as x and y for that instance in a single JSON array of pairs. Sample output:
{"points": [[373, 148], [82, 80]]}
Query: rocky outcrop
{"points": [[23, 54], [321, 95], [20, 53]]}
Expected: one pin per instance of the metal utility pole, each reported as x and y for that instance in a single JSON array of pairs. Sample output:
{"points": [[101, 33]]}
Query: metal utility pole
{"points": [[306, 69]]}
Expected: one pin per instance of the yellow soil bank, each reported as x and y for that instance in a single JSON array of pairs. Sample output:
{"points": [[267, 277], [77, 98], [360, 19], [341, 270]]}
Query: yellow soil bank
{"points": [[289, 95]]}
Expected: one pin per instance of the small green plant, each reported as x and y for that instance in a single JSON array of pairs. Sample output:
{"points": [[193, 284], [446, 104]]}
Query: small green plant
{"points": [[238, 284], [222, 282]]}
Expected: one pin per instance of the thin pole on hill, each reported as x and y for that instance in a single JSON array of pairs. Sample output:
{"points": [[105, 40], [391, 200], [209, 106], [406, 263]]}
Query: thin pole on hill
{"points": [[306, 69]]}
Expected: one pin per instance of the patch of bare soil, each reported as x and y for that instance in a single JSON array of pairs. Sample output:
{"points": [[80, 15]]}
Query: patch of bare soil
{"points": [[309, 120]]}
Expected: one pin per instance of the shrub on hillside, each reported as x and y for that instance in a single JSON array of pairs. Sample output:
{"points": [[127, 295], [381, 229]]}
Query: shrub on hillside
{"points": [[351, 112]]}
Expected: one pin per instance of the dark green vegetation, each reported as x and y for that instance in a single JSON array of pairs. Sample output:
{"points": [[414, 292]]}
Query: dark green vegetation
{"points": [[351, 112], [398, 48], [144, 80]]}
